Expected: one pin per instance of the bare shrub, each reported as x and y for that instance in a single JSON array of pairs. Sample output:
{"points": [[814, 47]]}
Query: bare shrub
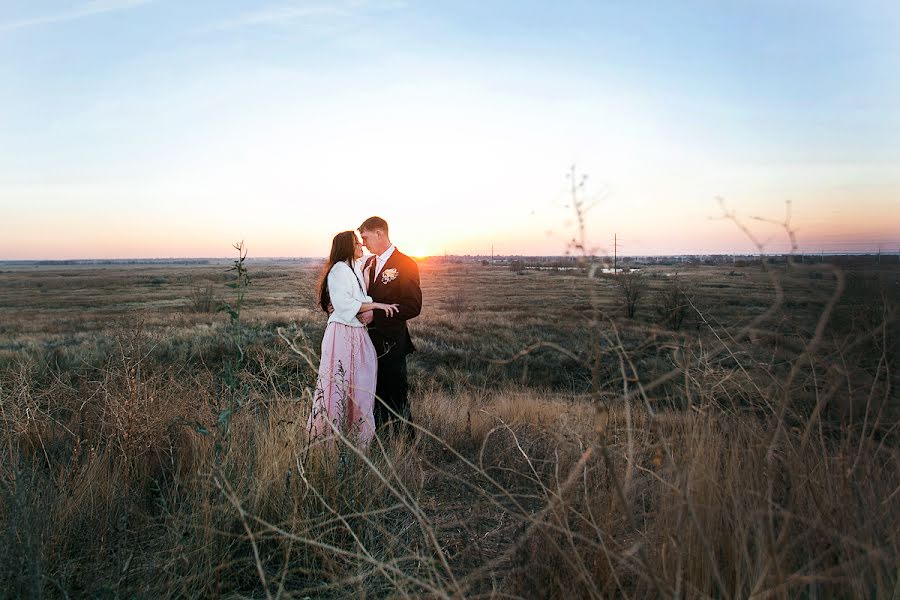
{"points": [[631, 286], [458, 302], [673, 301], [203, 298]]}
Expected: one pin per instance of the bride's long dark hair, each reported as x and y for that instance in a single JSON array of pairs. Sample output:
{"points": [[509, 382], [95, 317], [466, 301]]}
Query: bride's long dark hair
{"points": [[342, 250]]}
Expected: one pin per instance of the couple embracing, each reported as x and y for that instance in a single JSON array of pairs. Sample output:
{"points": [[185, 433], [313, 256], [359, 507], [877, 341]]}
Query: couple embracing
{"points": [[362, 382]]}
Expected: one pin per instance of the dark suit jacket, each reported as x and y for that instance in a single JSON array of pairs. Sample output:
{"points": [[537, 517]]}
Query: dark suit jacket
{"points": [[390, 334]]}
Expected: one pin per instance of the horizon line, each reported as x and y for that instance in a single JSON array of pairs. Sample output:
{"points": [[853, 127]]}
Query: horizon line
{"points": [[875, 252]]}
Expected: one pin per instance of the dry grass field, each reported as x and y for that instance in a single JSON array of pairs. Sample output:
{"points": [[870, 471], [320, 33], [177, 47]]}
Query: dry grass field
{"points": [[736, 437]]}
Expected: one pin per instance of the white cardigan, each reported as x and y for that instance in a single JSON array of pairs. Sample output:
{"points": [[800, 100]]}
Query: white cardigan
{"points": [[346, 288]]}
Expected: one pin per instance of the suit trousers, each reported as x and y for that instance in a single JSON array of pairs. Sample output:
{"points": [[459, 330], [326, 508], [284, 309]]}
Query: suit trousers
{"points": [[391, 391]]}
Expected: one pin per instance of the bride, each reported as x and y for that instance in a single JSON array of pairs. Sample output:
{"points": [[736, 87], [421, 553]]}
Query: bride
{"points": [[344, 399]]}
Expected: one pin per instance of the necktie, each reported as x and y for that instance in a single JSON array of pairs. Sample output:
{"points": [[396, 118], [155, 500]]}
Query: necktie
{"points": [[372, 262]]}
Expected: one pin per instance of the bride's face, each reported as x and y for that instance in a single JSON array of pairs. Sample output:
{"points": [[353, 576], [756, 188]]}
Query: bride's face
{"points": [[357, 249]]}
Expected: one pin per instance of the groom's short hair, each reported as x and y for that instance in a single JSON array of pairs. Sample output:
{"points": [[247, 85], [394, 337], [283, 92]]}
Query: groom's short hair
{"points": [[373, 223]]}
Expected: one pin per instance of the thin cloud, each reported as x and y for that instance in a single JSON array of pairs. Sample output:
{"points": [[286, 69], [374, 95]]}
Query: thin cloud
{"points": [[294, 13], [94, 7]]}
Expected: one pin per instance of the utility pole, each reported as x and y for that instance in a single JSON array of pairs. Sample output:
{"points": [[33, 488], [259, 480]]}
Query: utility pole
{"points": [[615, 253]]}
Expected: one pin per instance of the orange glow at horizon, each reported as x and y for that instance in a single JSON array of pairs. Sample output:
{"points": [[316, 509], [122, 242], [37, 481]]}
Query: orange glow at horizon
{"points": [[681, 221], [419, 238]]}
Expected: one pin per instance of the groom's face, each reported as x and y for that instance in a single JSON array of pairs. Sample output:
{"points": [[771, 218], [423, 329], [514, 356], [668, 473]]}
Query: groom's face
{"points": [[374, 240]]}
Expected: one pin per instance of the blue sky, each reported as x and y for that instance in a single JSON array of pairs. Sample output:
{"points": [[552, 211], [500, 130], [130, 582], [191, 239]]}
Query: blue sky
{"points": [[164, 128]]}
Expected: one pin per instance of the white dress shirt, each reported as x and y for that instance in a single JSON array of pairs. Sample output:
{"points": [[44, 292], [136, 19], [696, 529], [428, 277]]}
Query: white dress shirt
{"points": [[382, 258], [345, 287]]}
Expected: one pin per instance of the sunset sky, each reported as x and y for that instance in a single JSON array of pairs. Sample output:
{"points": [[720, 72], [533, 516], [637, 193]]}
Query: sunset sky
{"points": [[168, 128]]}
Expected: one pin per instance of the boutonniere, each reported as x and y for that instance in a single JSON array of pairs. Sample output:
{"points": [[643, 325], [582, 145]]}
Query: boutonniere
{"points": [[388, 275]]}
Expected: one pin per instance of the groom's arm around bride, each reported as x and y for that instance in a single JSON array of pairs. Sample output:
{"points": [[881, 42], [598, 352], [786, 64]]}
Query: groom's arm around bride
{"points": [[399, 281]]}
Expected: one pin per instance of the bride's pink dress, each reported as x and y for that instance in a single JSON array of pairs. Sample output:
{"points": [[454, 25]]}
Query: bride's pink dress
{"points": [[345, 390]]}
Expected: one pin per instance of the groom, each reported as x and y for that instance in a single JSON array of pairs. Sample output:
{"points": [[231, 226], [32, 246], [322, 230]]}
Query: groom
{"points": [[393, 278]]}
